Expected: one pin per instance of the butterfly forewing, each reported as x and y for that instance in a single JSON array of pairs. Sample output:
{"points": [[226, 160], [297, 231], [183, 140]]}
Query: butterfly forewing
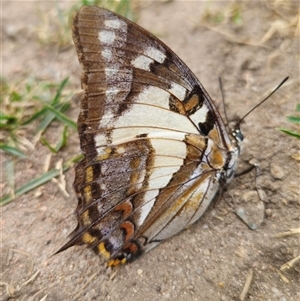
{"points": [[155, 146]]}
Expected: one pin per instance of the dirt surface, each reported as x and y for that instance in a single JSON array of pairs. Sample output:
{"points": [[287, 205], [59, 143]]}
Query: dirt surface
{"points": [[210, 260]]}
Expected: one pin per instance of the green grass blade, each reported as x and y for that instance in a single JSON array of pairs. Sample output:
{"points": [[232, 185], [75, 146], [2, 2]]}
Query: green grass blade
{"points": [[10, 170], [290, 133], [45, 122], [7, 121], [12, 151], [35, 116], [59, 90], [47, 144], [50, 116], [293, 119], [40, 180], [61, 143], [62, 117]]}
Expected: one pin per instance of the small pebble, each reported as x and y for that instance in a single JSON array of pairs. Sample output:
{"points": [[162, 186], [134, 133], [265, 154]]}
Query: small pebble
{"points": [[275, 290], [10, 31], [251, 213], [206, 252], [262, 195], [250, 196], [241, 252], [217, 229], [269, 212], [158, 288], [276, 171], [296, 156]]}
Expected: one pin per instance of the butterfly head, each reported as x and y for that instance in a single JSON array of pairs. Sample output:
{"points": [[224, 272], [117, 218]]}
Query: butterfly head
{"points": [[237, 143], [238, 139], [238, 136]]}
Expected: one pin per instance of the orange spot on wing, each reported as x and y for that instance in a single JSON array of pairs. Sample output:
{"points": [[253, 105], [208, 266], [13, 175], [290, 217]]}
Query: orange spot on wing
{"points": [[86, 217], [192, 103], [87, 193], [216, 157], [129, 229], [125, 207], [132, 247], [89, 174], [115, 262], [88, 238], [102, 250]]}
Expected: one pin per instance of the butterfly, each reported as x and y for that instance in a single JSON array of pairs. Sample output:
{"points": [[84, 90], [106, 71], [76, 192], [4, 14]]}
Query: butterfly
{"points": [[156, 150]]}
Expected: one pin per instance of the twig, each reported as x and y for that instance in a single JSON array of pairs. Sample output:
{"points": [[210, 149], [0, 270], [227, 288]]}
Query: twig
{"points": [[247, 285], [288, 233], [290, 264]]}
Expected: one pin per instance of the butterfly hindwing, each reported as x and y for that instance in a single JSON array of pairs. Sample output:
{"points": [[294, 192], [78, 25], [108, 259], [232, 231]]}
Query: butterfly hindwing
{"points": [[153, 141]]}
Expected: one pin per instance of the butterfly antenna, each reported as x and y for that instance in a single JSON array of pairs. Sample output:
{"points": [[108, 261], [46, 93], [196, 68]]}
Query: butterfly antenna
{"points": [[282, 82], [223, 101]]}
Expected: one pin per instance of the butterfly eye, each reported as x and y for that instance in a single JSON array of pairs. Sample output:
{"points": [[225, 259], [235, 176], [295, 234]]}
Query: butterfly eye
{"points": [[238, 135]]}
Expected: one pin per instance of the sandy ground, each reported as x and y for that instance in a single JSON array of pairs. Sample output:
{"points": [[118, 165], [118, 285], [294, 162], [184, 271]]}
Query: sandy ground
{"points": [[210, 260]]}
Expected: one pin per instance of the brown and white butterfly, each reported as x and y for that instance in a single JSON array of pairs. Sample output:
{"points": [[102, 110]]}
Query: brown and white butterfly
{"points": [[156, 150]]}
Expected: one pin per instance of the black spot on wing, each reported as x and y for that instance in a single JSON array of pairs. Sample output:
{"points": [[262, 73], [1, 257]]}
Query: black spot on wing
{"points": [[207, 126]]}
